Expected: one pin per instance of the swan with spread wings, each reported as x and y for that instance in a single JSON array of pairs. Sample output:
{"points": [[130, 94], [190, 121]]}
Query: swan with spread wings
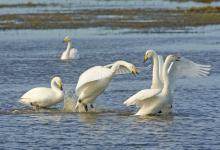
{"points": [[174, 69], [95, 80]]}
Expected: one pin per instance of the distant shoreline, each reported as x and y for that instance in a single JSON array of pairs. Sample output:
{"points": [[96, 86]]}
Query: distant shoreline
{"points": [[114, 18]]}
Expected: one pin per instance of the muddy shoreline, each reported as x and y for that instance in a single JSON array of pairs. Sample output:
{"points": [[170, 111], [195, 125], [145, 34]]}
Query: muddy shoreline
{"points": [[113, 18]]}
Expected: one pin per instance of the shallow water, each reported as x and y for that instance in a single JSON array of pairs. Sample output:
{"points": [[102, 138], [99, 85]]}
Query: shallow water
{"points": [[30, 59], [70, 5]]}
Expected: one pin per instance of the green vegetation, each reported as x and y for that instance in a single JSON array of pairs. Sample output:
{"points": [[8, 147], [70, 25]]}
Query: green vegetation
{"points": [[113, 18]]}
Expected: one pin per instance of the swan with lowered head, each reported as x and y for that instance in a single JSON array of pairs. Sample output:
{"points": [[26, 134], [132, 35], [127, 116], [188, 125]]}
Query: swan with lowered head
{"points": [[95, 80], [69, 53], [152, 101], [42, 97]]}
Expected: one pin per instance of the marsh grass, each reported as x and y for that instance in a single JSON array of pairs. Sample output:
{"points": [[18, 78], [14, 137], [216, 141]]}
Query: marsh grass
{"points": [[128, 18]]}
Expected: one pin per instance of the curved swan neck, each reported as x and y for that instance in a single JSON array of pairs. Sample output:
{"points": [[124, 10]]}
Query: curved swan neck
{"points": [[166, 87], [117, 64], [69, 44], [155, 73], [54, 86]]}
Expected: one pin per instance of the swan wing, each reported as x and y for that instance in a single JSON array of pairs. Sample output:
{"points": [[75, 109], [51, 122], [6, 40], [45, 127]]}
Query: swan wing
{"points": [[187, 68], [40, 96], [124, 70], [74, 53], [141, 96], [120, 70], [91, 75]]}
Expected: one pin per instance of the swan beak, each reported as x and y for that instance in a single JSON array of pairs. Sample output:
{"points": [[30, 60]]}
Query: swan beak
{"points": [[178, 59], [65, 41], [134, 70], [145, 58], [60, 86]]}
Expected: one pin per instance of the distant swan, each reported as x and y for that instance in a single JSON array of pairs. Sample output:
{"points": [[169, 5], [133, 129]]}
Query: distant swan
{"points": [[151, 101], [69, 53], [95, 80], [42, 97]]}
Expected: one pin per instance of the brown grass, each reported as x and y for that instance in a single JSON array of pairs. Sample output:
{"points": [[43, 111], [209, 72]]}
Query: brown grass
{"points": [[132, 18]]}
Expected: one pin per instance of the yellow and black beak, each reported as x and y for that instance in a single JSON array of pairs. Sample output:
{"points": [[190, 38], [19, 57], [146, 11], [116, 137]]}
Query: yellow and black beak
{"points": [[60, 86], [66, 40], [178, 58], [134, 70], [145, 58]]}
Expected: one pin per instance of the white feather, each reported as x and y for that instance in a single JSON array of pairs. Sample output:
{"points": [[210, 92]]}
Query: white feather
{"points": [[93, 74], [142, 95]]}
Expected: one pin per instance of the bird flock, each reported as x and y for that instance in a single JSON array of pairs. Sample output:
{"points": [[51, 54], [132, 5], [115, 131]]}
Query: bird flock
{"points": [[156, 100]]}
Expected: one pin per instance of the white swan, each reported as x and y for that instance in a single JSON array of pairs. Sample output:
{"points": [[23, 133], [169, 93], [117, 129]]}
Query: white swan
{"points": [[95, 80], [152, 101], [42, 97], [182, 68], [69, 53]]}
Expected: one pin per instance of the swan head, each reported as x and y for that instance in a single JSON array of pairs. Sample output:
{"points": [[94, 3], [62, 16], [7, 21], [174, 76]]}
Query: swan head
{"points": [[148, 54], [133, 69], [58, 82], [67, 39], [172, 58]]}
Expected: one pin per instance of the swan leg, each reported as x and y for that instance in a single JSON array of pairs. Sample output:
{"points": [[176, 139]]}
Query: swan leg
{"points": [[86, 107], [91, 105], [35, 106]]}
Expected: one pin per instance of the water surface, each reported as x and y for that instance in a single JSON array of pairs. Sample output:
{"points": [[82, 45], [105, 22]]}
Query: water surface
{"points": [[30, 58]]}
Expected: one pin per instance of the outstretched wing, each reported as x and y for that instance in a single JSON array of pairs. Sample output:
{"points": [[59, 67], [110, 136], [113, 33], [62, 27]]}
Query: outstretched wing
{"points": [[120, 70], [124, 70], [187, 68], [141, 96], [92, 74], [74, 53]]}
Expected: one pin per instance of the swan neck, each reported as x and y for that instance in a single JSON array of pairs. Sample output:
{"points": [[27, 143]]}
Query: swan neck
{"points": [[69, 44], [55, 87], [166, 88], [117, 64], [155, 73]]}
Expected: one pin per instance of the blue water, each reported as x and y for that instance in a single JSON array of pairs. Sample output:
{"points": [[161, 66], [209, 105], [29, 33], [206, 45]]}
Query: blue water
{"points": [[31, 58], [73, 5]]}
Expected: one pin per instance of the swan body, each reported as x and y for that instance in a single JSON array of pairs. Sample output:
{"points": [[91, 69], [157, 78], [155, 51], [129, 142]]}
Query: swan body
{"points": [[177, 69], [69, 53], [95, 80], [153, 101], [157, 102], [42, 97]]}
